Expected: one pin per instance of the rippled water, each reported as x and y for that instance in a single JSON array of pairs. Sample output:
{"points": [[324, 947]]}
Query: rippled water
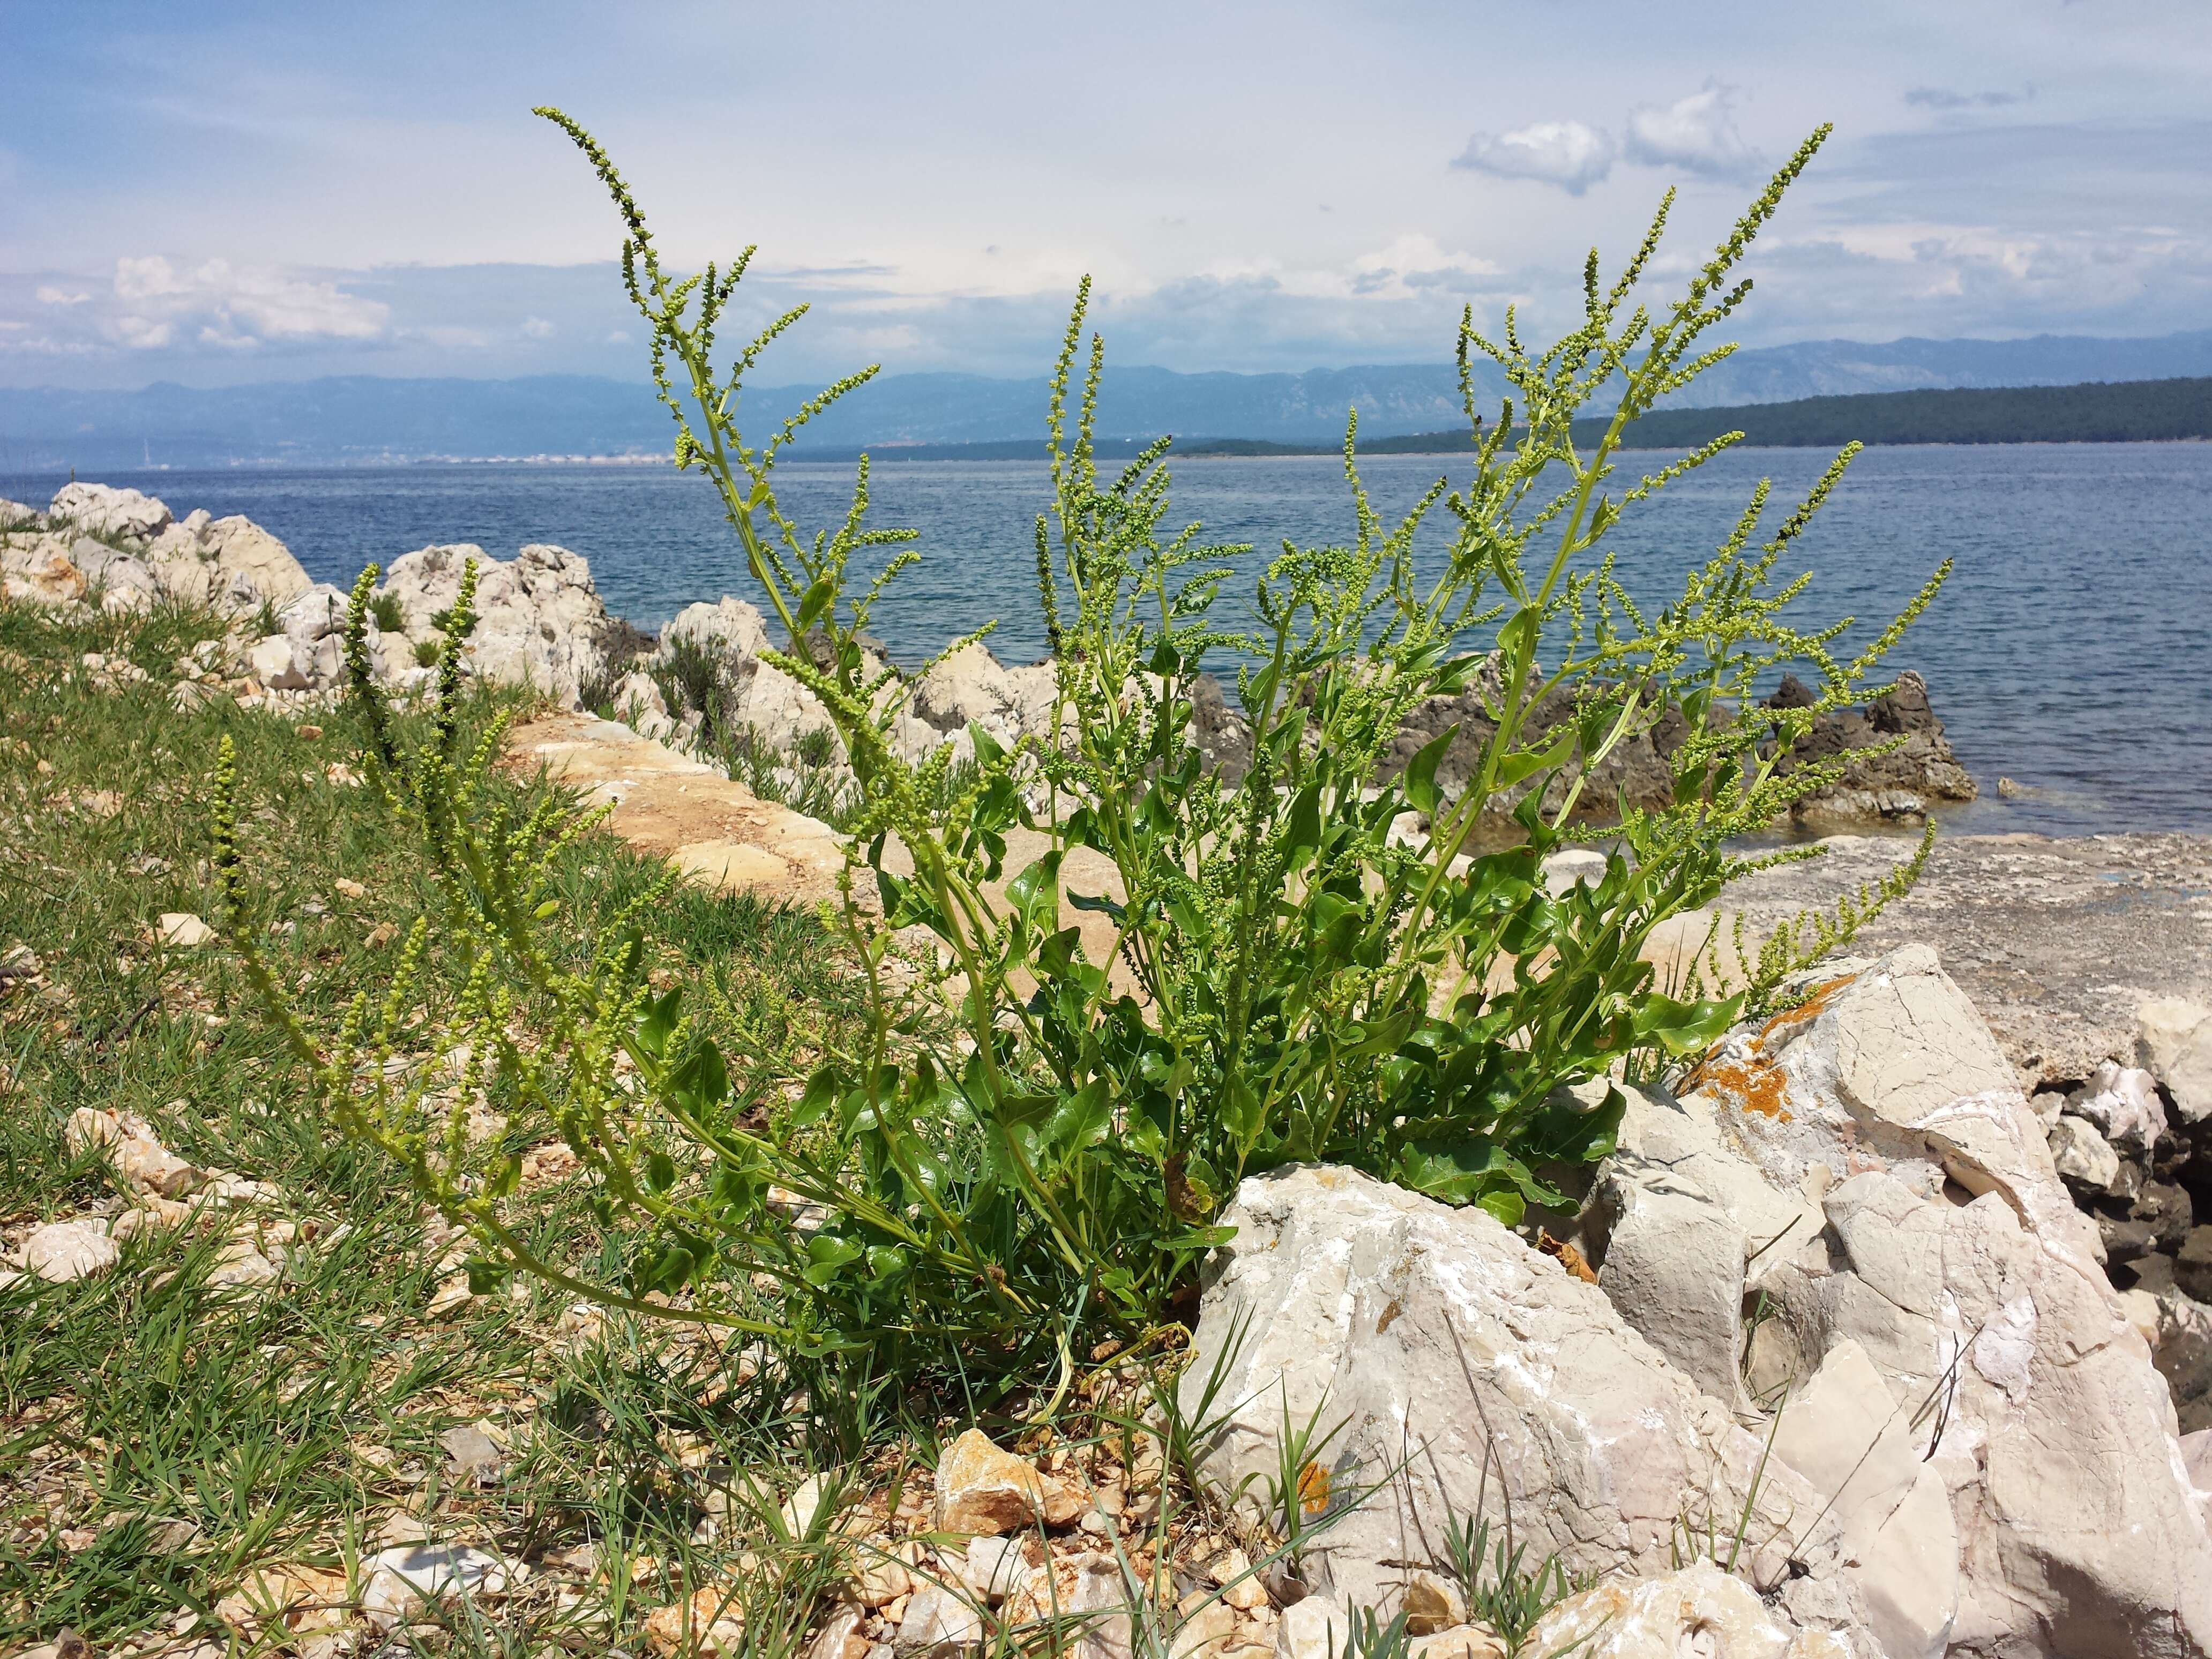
{"points": [[2069, 651]]}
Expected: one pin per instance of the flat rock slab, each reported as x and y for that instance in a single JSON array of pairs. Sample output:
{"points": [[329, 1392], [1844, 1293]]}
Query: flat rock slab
{"points": [[718, 832], [713, 829], [2057, 940]]}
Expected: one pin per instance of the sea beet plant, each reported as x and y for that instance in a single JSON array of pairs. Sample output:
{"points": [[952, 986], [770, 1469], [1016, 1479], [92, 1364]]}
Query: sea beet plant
{"points": [[1321, 959]]}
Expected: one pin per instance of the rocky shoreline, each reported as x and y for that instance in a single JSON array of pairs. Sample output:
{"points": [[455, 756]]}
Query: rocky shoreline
{"points": [[542, 623], [1887, 1331]]}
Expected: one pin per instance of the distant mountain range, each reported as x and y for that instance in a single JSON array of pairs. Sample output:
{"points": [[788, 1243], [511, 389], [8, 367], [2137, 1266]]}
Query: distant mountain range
{"points": [[363, 419]]}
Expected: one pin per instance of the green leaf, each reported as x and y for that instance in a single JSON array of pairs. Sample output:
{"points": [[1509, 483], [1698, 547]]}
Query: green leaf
{"points": [[1523, 762], [1034, 894], [1420, 780], [668, 1268], [1460, 1171], [989, 751], [486, 1277], [1564, 1131], [702, 1081], [1683, 1028], [1517, 638], [657, 1022], [1242, 1112], [815, 603], [823, 1089], [826, 1256], [550, 907], [1505, 1203], [1082, 1118]]}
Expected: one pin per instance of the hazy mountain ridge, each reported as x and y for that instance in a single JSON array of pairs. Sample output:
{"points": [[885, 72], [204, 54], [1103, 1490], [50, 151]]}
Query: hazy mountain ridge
{"points": [[363, 418]]}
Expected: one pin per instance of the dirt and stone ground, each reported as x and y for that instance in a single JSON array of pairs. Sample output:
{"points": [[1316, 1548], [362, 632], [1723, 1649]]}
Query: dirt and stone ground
{"points": [[2056, 940]]}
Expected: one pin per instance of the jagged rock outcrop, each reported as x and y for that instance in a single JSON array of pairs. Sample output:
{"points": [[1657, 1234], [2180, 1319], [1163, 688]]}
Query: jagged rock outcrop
{"points": [[1949, 1257], [1471, 1374], [1973, 1409], [540, 620], [1897, 784], [127, 547], [1894, 787], [226, 562], [117, 514]]}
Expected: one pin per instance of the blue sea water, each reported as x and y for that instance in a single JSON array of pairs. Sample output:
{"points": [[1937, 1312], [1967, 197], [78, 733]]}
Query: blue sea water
{"points": [[2069, 650]]}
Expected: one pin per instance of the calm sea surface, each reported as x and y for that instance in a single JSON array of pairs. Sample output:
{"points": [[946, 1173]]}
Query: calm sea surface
{"points": [[2071, 651]]}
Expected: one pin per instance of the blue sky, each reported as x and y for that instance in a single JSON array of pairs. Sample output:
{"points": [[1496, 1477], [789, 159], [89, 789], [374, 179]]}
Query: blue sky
{"points": [[224, 193]]}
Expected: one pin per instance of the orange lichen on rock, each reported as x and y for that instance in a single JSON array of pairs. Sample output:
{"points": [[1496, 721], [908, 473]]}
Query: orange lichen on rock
{"points": [[1752, 1081], [1563, 1251], [1755, 1085], [1808, 1009]]}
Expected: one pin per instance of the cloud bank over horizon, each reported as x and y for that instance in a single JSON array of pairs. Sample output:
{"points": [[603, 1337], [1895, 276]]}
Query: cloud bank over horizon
{"points": [[270, 194]]}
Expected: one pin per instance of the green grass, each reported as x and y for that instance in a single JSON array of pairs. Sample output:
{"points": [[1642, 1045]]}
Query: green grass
{"points": [[160, 1436], [163, 1440]]}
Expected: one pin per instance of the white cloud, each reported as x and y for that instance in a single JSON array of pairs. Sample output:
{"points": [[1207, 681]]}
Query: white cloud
{"points": [[283, 307], [536, 328], [152, 278], [1567, 154], [49, 295], [232, 305], [142, 333], [1415, 264], [1697, 133]]}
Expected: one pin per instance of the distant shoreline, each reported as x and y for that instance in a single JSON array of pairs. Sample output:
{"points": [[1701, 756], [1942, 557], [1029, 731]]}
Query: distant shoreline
{"points": [[2177, 410], [904, 456]]}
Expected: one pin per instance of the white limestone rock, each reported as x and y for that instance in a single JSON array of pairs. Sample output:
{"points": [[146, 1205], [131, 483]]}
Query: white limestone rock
{"points": [[2080, 1154], [781, 711], [937, 1620], [1686, 1230], [2122, 1101], [2173, 1042], [1891, 1068], [64, 1250], [1848, 1434], [231, 563], [732, 626], [1314, 1627], [269, 661], [969, 686], [1953, 1258], [127, 586], [1697, 1611], [539, 621], [637, 694], [102, 510], [399, 1583], [1467, 1367], [38, 570]]}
